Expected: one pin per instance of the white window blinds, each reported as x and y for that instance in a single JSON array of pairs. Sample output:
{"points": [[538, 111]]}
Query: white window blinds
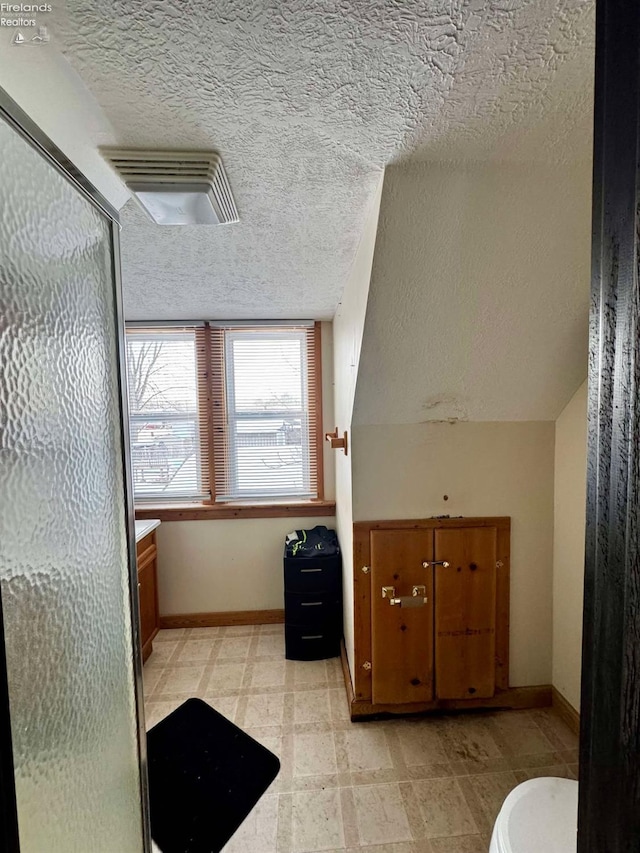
{"points": [[168, 413], [266, 400], [225, 412]]}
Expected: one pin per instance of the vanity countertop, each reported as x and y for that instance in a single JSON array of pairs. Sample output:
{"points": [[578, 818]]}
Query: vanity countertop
{"points": [[143, 528]]}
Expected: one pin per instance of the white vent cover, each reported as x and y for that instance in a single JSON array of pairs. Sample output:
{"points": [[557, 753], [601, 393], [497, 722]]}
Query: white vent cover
{"points": [[176, 187]]}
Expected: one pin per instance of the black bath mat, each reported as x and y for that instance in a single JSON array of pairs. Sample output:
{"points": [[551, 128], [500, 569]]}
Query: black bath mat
{"points": [[205, 776]]}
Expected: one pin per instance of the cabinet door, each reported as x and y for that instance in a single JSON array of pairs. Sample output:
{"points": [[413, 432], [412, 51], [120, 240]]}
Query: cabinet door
{"points": [[147, 593], [402, 637], [465, 613]]}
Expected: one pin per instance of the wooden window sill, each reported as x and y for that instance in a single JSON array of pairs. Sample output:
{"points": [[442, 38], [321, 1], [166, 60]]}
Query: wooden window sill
{"points": [[204, 512]]}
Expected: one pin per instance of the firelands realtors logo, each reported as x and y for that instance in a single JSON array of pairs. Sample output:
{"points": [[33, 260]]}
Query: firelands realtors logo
{"points": [[21, 18]]}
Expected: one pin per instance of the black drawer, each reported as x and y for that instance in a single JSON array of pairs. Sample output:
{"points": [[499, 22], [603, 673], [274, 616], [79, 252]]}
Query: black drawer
{"points": [[306, 574], [311, 643], [312, 609]]}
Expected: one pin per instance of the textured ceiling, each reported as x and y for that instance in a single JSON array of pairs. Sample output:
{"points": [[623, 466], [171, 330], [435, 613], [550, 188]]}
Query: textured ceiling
{"points": [[307, 100]]}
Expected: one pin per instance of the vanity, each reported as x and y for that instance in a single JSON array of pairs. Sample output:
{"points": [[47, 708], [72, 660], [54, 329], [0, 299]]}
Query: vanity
{"points": [[146, 553]]}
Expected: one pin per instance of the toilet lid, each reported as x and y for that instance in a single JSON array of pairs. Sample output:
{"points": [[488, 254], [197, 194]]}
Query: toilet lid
{"points": [[541, 814]]}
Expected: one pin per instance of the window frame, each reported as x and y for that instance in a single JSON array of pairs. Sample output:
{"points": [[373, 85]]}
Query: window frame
{"points": [[211, 387]]}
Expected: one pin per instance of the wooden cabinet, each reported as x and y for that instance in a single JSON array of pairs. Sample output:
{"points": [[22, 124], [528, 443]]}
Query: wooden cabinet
{"points": [[431, 614], [146, 551]]}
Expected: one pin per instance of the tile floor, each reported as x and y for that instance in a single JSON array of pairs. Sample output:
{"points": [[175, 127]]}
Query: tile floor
{"points": [[420, 785]]}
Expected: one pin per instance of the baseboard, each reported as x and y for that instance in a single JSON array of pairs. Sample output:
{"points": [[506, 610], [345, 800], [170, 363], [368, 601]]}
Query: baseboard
{"points": [[346, 673], [514, 698], [566, 710], [214, 620]]}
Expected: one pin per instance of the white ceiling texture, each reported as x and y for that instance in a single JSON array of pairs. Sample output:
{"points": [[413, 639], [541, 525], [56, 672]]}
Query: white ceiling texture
{"points": [[307, 100]]}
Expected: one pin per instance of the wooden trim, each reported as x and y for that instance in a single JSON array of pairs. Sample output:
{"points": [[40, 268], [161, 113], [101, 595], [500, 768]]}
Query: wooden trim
{"points": [[516, 698], [566, 711], [499, 522], [346, 673], [147, 556], [145, 543], [609, 803], [318, 438], [503, 604], [148, 646], [205, 398], [204, 512], [231, 617], [362, 612]]}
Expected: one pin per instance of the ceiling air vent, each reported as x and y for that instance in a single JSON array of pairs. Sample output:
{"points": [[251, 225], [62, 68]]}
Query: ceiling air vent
{"points": [[176, 187]]}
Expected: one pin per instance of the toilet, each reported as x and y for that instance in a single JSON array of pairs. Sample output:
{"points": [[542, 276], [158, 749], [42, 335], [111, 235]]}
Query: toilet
{"points": [[539, 815]]}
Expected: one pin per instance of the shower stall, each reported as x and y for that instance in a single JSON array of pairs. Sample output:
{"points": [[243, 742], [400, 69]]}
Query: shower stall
{"points": [[72, 746]]}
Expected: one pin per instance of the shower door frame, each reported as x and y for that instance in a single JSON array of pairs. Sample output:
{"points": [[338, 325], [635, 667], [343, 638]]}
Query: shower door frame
{"points": [[16, 118]]}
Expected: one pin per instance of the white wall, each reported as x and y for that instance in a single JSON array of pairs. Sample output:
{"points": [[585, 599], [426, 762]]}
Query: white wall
{"points": [[568, 548], [236, 564], [486, 469], [348, 326]]}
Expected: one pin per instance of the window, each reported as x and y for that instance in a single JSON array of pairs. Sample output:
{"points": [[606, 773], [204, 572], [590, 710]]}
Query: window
{"points": [[225, 413]]}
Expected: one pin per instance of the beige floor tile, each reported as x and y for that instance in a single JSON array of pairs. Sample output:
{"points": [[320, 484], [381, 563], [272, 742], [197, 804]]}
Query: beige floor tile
{"points": [[314, 754], [196, 650], [268, 673], [517, 734], [366, 748], [268, 737], [316, 821], [309, 672], [421, 743], [380, 814], [208, 633], [311, 706], [184, 679], [264, 709], [467, 844], [225, 705], [162, 652], [169, 634], [150, 678], [488, 792], [225, 676], [234, 647], [422, 846], [560, 770], [271, 629], [334, 670], [238, 630], [469, 738], [270, 645], [555, 729], [259, 831], [444, 809], [156, 711], [339, 704]]}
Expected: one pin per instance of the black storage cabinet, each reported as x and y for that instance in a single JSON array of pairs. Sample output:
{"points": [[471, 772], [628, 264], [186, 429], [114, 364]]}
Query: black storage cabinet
{"points": [[312, 606]]}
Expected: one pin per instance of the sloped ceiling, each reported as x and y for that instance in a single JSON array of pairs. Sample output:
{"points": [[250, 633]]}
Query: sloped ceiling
{"points": [[307, 100], [479, 293]]}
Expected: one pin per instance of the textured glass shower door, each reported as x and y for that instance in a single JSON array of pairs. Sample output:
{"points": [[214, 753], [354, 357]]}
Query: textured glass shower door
{"points": [[64, 555]]}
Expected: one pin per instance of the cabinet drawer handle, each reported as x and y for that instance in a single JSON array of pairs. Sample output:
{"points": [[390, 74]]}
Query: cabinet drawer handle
{"points": [[443, 563], [312, 636], [306, 571], [310, 603]]}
